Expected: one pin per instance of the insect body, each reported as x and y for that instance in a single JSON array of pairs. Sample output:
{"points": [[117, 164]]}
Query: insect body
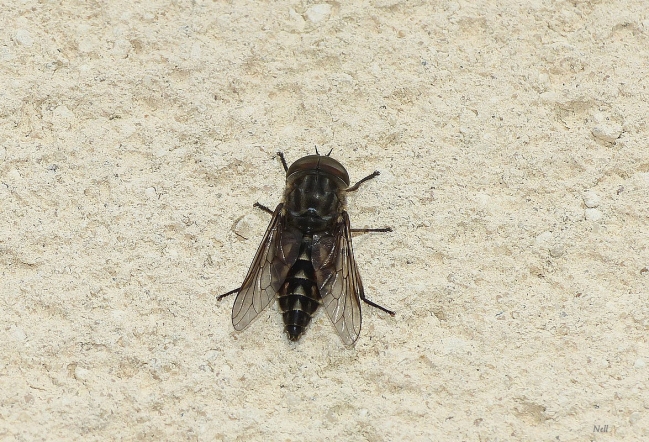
{"points": [[305, 259]]}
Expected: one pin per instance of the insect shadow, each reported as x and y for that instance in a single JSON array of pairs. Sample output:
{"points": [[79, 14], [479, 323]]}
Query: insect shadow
{"points": [[305, 259]]}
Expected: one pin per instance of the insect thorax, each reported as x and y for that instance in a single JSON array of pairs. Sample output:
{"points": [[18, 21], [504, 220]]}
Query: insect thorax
{"points": [[313, 202]]}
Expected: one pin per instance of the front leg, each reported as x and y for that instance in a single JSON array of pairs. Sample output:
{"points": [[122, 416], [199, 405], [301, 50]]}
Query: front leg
{"points": [[367, 178]]}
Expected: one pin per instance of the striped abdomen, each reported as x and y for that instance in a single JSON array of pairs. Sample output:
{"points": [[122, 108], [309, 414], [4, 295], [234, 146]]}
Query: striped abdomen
{"points": [[299, 297]]}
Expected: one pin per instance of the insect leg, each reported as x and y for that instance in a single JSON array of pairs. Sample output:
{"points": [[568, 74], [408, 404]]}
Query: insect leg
{"points": [[281, 157], [367, 301], [382, 229], [228, 293], [367, 178], [265, 209], [262, 207]]}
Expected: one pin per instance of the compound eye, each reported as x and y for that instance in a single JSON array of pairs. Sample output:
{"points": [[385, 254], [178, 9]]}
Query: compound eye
{"points": [[329, 165], [318, 163], [304, 164]]}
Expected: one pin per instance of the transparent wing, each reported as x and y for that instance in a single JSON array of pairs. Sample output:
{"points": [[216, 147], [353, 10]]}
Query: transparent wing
{"points": [[276, 254], [338, 279]]}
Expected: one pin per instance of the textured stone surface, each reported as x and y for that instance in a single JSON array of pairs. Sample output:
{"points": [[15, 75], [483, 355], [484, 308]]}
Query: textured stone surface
{"points": [[135, 137]]}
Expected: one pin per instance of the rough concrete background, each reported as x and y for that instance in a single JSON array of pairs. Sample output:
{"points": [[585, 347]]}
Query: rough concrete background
{"points": [[512, 141]]}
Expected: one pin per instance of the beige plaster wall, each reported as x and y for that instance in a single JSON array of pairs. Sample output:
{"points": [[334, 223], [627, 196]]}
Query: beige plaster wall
{"points": [[513, 144]]}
